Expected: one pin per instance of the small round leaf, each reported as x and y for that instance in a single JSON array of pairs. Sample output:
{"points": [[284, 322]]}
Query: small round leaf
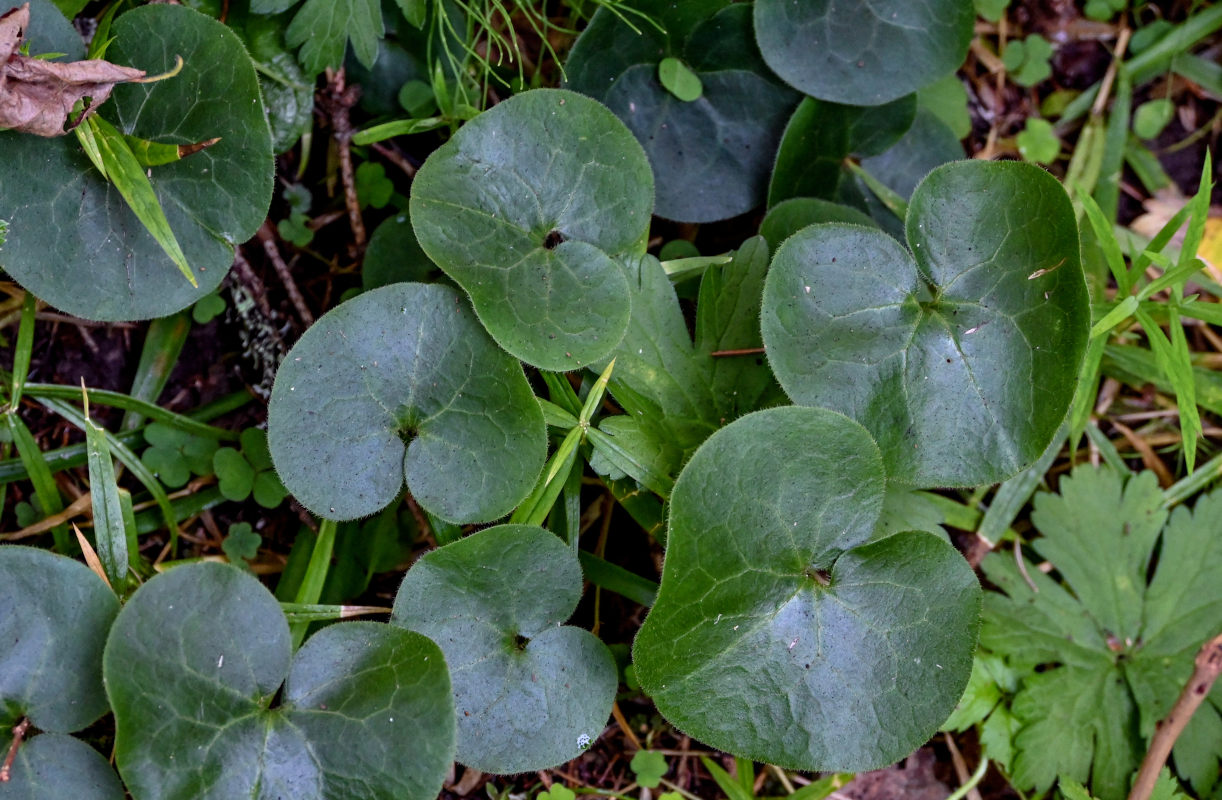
{"points": [[197, 655], [864, 52], [404, 362], [781, 632], [528, 690], [679, 79], [72, 239], [525, 208], [963, 362], [54, 616]]}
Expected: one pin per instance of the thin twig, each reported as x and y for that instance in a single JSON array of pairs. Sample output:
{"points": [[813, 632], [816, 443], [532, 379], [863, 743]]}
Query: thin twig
{"points": [[624, 726], [392, 155], [746, 351], [268, 239], [1207, 667], [19, 731], [1148, 457], [339, 98], [961, 767], [1105, 88]]}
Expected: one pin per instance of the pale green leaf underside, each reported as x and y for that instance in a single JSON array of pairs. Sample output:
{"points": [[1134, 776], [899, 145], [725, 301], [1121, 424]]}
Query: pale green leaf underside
{"points": [[198, 654], [54, 616], [962, 362], [407, 361], [522, 704], [746, 650], [864, 52], [73, 241], [525, 207]]}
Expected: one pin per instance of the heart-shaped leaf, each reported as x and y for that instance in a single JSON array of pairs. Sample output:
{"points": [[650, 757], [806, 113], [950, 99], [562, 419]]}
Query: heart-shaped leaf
{"points": [[710, 149], [820, 135], [54, 616], [53, 766], [405, 363], [781, 632], [525, 207], [530, 692], [865, 52], [962, 362], [193, 663], [73, 241]]}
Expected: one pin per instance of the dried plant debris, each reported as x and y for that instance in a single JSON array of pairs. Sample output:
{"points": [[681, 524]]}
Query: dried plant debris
{"points": [[38, 96]]}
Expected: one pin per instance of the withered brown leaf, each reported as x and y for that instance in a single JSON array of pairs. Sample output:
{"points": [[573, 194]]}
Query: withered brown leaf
{"points": [[38, 96]]}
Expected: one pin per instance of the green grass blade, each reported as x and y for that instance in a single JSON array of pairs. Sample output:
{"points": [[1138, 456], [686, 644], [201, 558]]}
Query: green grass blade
{"points": [[315, 576], [595, 397], [162, 345], [44, 483], [535, 508], [1173, 358], [1013, 494], [1115, 139], [129, 460], [125, 172], [1123, 310], [1111, 456], [1106, 237], [727, 784], [109, 533], [894, 202], [102, 397], [24, 351], [1200, 210]]}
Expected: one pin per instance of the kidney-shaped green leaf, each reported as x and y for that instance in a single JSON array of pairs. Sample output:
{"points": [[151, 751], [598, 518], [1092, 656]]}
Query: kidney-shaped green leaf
{"points": [[73, 241], [781, 632], [405, 363], [54, 616], [53, 766], [710, 154], [525, 208], [193, 663], [530, 692], [962, 362], [864, 52]]}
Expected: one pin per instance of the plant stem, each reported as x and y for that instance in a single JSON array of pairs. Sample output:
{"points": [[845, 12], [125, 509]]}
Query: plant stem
{"points": [[1208, 666], [19, 730]]}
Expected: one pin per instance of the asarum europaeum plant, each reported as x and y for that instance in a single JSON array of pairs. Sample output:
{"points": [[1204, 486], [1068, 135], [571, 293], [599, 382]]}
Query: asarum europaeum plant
{"points": [[791, 624]]}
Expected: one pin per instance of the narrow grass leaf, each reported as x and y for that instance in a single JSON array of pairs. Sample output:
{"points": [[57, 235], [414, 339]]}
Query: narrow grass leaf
{"points": [[1106, 237], [535, 508], [555, 416], [24, 351], [108, 529], [128, 459], [727, 784], [400, 127], [1174, 359], [102, 397], [125, 172], [1119, 314], [595, 397], [1014, 493], [315, 575], [163, 344], [40, 475], [1111, 455], [1200, 212]]}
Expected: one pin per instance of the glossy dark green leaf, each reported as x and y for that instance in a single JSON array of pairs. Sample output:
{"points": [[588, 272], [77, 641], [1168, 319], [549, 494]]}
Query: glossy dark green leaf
{"points": [[194, 661], [781, 632], [53, 766], [710, 150], [820, 135], [526, 208], [528, 689], [866, 52], [962, 362], [106, 265], [790, 216], [402, 384], [54, 616]]}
